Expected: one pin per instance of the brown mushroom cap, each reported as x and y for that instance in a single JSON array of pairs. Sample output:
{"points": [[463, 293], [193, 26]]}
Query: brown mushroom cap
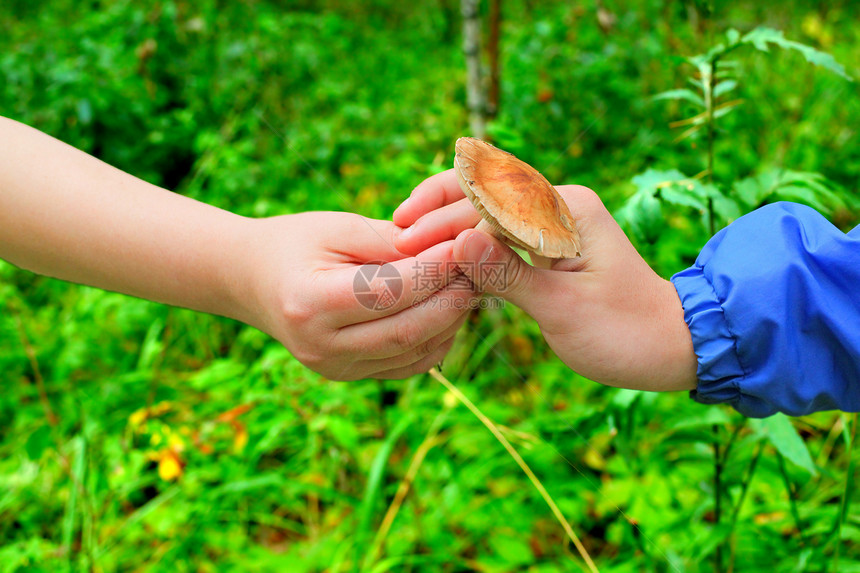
{"points": [[517, 202]]}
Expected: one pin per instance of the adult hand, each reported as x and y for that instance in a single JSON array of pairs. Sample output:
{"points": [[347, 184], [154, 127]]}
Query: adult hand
{"points": [[606, 314], [307, 265]]}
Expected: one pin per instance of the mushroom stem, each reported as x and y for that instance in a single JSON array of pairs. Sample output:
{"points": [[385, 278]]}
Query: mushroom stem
{"points": [[537, 260], [541, 262], [488, 228]]}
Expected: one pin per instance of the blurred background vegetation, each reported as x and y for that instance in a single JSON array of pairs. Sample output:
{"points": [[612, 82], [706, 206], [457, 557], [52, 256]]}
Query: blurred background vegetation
{"points": [[136, 437]]}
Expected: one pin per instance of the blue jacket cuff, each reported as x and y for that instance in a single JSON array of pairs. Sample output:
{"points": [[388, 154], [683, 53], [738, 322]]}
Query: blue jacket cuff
{"points": [[720, 373]]}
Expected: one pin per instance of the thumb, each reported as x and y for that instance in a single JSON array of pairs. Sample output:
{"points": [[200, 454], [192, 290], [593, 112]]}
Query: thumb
{"points": [[496, 269], [365, 239]]}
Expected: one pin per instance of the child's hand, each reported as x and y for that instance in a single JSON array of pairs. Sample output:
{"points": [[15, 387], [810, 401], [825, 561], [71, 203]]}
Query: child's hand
{"points": [[606, 314], [307, 266]]}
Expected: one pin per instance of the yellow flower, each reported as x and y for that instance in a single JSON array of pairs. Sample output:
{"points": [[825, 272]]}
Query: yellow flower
{"points": [[169, 466]]}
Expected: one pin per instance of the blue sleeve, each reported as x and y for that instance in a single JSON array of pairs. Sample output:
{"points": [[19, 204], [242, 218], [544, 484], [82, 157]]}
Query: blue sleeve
{"points": [[773, 305]]}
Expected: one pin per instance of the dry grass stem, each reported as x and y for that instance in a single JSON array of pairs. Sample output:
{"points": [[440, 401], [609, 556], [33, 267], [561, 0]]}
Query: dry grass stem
{"points": [[521, 462]]}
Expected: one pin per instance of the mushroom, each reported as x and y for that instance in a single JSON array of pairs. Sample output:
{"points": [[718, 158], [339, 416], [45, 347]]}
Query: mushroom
{"points": [[517, 204]]}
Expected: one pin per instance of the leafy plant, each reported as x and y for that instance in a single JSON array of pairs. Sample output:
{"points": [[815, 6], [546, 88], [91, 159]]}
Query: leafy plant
{"points": [[714, 82]]}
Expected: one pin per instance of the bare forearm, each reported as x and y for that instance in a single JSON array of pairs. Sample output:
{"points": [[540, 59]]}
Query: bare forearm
{"points": [[68, 215]]}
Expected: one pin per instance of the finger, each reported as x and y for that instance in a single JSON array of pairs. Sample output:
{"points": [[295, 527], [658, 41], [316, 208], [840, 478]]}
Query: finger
{"points": [[495, 268], [370, 367], [411, 329], [397, 369], [431, 194], [420, 366], [443, 224], [425, 349], [357, 294], [582, 201], [602, 238]]}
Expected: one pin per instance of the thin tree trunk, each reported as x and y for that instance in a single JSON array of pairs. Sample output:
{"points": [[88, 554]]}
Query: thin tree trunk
{"points": [[493, 50], [472, 51]]}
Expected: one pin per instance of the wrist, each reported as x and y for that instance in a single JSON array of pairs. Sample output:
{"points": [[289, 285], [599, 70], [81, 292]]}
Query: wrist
{"points": [[254, 282], [244, 286], [679, 356]]}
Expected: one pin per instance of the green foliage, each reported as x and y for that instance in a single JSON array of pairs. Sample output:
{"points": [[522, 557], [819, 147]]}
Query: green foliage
{"points": [[644, 213], [779, 431], [761, 37], [185, 442], [786, 185], [720, 202]]}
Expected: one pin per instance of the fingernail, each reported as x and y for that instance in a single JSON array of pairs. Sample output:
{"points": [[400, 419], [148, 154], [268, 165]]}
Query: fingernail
{"points": [[477, 248], [402, 205]]}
